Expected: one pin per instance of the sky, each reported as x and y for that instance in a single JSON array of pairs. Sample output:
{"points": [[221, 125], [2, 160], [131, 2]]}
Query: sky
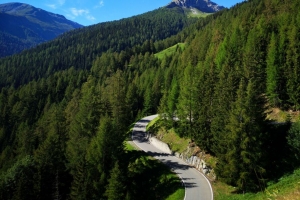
{"points": [[88, 12]]}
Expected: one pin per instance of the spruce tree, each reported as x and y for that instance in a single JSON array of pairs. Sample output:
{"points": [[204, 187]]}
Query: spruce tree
{"points": [[187, 101], [244, 160], [115, 189], [203, 110], [115, 92], [173, 98], [292, 65], [272, 72], [82, 129]]}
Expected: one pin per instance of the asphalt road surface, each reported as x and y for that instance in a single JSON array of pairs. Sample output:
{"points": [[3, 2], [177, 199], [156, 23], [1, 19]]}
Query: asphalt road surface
{"points": [[197, 187]]}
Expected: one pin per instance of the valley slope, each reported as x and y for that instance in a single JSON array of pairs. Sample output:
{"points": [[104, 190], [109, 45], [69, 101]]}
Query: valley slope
{"points": [[66, 105], [79, 48]]}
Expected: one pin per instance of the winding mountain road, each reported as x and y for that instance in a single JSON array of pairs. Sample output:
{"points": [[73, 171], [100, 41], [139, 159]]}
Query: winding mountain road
{"points": [[197, 187]]}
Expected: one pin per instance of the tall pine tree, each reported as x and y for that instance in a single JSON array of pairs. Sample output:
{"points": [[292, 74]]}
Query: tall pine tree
{"points": [[243, 163]]}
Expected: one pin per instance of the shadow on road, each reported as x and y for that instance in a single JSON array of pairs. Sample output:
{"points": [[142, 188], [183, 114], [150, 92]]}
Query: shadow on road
{"points": [[175, 165], [163, 157], [139, 136], [139, 126], [143, 121], [187, 179], [189, 185], [156, 154]]}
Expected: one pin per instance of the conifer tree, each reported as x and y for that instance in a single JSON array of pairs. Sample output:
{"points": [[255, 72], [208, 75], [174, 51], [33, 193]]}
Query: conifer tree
{"points": [[243, 164], [173, 98], [115, 189], [132, 100], [272, 72], [224, 96], [203, 107], [116, 94], [293, 61], [187, 101], [82, 128], [293, 139], [50, 155], [148, 102], [104, 150]]}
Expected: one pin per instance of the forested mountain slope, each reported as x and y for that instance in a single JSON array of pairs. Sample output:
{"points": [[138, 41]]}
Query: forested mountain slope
{"points": [[79, 48], [23, 26], [62, 125], [232, 71], [65, 108]]}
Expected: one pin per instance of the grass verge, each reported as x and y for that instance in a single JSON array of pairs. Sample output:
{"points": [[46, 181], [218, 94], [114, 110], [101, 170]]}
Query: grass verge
{"points": [[152, 123], [287, 188], [176, 143]]}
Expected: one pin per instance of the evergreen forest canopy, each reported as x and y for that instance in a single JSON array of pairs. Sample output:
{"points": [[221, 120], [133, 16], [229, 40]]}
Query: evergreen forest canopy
{"points": [[81, 47], [67, 104]]}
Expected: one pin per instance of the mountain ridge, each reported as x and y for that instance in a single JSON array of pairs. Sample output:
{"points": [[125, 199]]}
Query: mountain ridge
{"points": [[22, 9], [24, 26], [202, 5]]}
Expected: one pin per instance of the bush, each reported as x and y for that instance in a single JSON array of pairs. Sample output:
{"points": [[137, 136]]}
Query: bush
{"points": [[293, 139]]}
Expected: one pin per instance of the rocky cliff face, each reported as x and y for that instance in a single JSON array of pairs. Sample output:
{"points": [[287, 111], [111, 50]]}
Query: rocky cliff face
{"points": [[202, 5]]}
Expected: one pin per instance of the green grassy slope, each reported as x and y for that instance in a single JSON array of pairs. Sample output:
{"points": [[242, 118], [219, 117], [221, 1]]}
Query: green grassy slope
{"points": [[194, 12], [287, 187], [169, 51]]}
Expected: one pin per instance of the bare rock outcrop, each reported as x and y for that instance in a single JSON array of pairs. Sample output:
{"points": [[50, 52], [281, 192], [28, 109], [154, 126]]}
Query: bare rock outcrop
{"points": [[202, 5]]}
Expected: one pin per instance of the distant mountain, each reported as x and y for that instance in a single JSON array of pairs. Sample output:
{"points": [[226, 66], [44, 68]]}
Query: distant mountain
{"points": [[206, 6], [23, 26]]}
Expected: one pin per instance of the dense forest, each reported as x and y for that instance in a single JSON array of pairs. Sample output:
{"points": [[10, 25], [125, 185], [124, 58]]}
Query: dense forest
{"points": [[66, 105], [232, 71], [79, 48]]}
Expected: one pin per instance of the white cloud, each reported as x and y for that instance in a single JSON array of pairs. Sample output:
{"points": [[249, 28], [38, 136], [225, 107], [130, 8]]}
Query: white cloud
{"points": [[56, 4], [90, 17], [53, 6], [61, 2], [79, 12], [74, 12], [100, 4]]}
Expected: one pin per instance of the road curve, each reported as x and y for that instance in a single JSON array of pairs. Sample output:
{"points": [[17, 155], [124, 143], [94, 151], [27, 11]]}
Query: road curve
{"points": [[197, 187]]}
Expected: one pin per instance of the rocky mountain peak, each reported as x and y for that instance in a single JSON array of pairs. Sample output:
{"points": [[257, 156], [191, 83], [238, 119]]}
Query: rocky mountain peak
{"points": [[202, 5]]}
